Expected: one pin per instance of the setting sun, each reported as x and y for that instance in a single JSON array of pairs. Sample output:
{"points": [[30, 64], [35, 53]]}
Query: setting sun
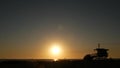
{"points": [[55, 49]]}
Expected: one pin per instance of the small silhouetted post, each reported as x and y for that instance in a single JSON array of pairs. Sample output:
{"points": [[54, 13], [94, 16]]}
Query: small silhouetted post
{"points": [[98, 45]]}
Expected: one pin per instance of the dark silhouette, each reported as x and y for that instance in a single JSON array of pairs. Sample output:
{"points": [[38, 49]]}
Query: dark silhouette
{"points": [[89, 57], [109, 63], [101, 54]]}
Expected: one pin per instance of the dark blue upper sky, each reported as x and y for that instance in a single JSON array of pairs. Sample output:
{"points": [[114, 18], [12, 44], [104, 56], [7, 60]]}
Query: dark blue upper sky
{"points": [[23, 23]]}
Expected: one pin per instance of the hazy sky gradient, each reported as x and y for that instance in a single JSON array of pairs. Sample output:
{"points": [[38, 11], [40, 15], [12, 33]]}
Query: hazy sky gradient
{"points": [[29, 27]]}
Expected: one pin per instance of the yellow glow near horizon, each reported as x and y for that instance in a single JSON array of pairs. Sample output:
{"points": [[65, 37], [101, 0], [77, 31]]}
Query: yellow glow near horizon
{"points": [[55, 59], [55, 49]]}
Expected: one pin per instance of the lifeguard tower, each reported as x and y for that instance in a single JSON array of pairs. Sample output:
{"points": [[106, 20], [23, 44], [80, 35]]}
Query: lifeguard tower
{"points": [[100, 54]]}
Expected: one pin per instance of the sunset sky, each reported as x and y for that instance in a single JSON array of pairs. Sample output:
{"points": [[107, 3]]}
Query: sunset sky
{"points": [[28, 28]]}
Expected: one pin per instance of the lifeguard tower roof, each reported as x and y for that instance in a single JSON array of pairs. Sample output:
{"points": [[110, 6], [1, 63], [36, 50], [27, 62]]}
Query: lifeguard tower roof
{"points": [[101, 52]]}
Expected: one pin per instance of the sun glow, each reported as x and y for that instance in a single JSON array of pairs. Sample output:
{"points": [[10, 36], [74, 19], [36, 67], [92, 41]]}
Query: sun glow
{"points": [[55, 49], [55, 59]]}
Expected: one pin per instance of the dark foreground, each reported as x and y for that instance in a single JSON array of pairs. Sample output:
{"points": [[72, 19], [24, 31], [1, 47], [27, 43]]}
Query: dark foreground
{"points": [[60, 64]]}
